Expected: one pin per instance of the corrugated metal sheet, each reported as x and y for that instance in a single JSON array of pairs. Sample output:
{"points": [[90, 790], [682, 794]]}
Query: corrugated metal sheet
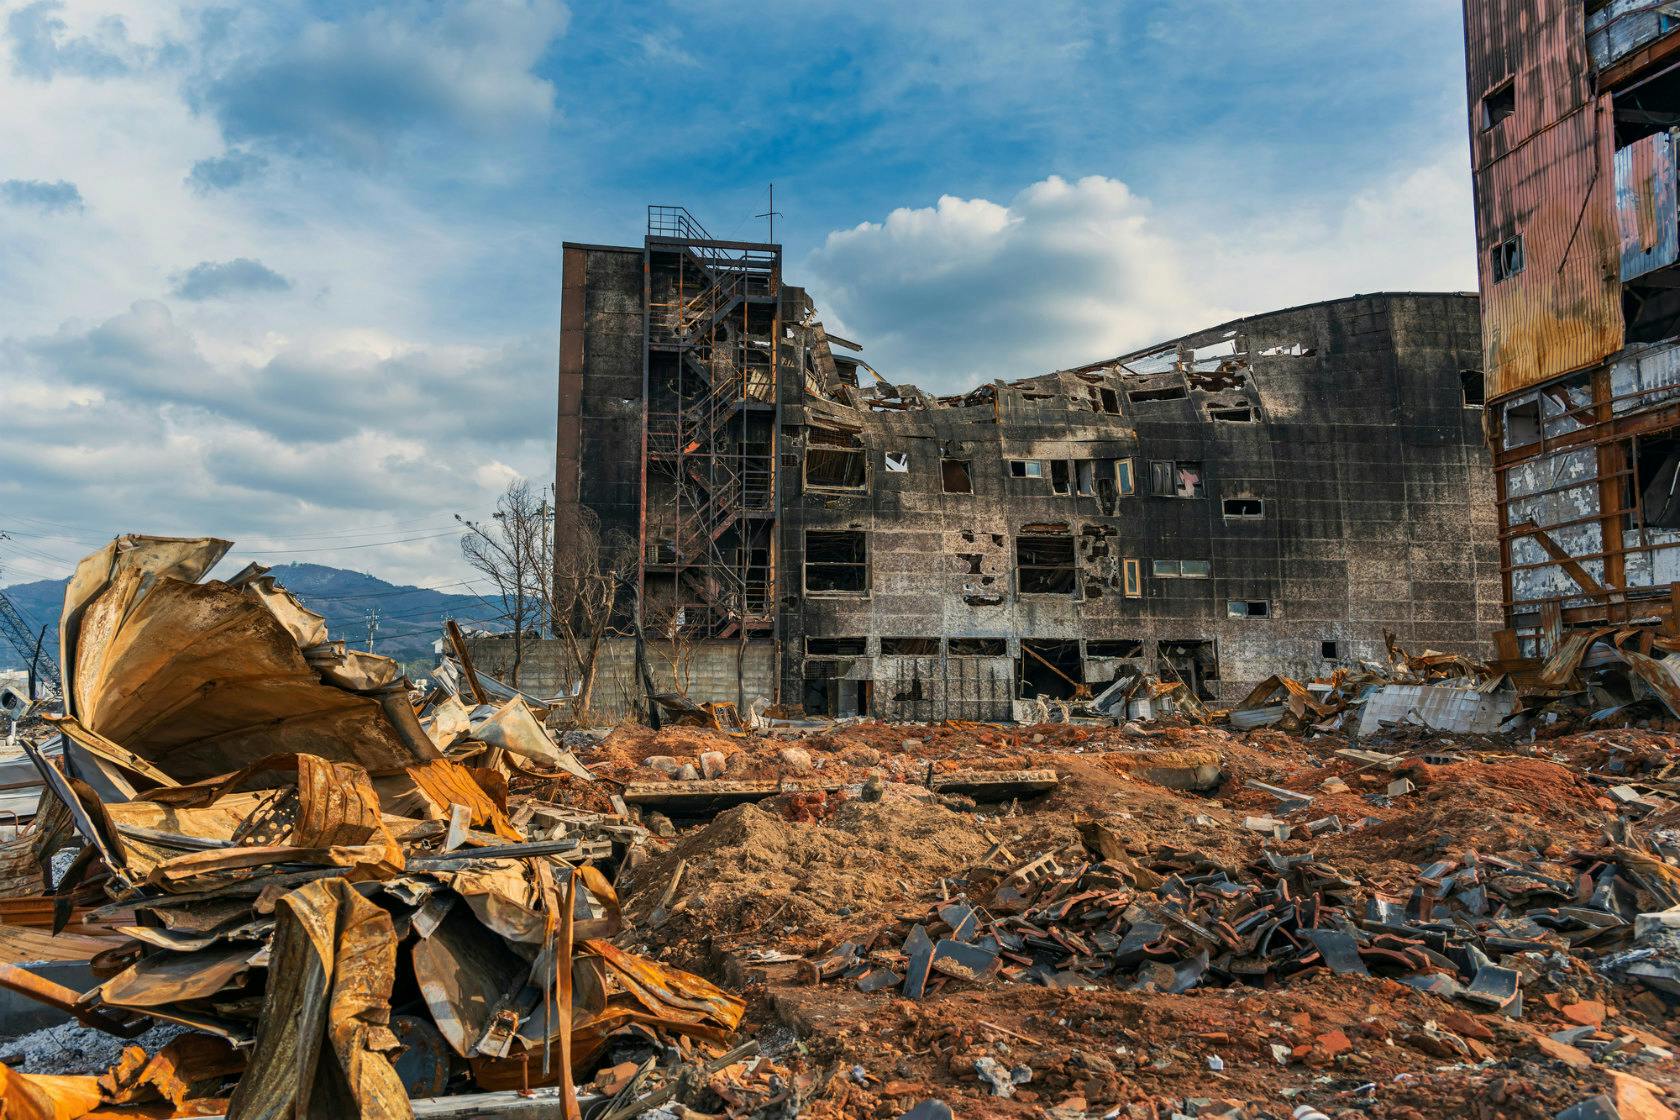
{"points": [[1645, 216], [1563, 311]]}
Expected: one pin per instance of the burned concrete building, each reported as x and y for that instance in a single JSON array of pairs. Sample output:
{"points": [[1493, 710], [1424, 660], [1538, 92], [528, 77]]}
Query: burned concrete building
{"points": [[1573, 108], [1273, 495]]}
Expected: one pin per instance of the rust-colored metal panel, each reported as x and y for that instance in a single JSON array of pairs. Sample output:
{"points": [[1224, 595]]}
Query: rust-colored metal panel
{"points": [[1562, 311], [574, 283], [1543, 173]]}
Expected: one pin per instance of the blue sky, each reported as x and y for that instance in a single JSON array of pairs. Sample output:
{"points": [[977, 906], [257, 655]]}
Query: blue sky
{"points": [[289, 272]]}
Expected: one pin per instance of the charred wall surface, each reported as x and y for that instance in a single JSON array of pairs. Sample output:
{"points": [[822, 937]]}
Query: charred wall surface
{"points": [[1268, 496]]}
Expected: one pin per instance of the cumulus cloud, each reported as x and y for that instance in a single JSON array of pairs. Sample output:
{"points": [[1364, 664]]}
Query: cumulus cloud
{"points": [[223, 172], [355, 86], [968, 290], [217, 279], [43, 46], [39, 193]]}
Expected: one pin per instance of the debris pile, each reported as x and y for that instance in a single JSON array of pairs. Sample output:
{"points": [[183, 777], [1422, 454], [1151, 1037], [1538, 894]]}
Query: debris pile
{"points": [[310, 872]]}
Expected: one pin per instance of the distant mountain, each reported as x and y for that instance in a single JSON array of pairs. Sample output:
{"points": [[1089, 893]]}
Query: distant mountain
{"points": [[410, 618]]}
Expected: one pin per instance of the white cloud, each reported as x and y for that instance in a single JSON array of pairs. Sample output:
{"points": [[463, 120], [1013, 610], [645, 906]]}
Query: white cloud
{"points": [[968, 290]]}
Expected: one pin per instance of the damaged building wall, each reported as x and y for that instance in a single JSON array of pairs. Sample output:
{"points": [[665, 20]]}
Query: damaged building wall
{"points": [[1272, 495], [1268, 496], [1572, 109]]}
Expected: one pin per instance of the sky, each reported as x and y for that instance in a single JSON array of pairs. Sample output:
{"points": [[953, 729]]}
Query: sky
{"points": [[289, 272]]}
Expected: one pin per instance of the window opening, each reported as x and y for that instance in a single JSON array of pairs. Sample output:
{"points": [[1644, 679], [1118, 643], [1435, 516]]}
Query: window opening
{"points": [[1239, 509], [1659, 472], [1058, 476], [1175, 479], [835, 647], [1044, 565], [1049, 668], [1233, 414], [1248, 608], [898, 462], [1470, 381], [1132, 574], [1110, 401], [1522, 423], [1026, 468], [909, 647], [834, 461], [836, 561], [1499, 103], [1195, 663], [954, 476], [1507, 258], [1169, 393], [1114, 647], [1330, 650], [977, 647]]}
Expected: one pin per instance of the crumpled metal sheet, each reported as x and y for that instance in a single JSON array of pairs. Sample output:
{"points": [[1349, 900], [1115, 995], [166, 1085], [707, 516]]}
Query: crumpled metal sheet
{"points": [[189, 1067], [27, 1096], [163, 978], [324, 1043], [427, 791], [516, 729], [465, 973], [201, 678]]}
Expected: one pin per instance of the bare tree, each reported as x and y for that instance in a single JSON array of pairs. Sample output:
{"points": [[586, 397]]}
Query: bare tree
{"points": [[590, 570], [663, 620], [512, 554]]}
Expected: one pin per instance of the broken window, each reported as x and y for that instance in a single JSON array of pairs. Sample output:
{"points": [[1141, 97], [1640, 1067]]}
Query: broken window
{"points": [[1049, 668], [1123, 477], [835, 647], [954, 476], [1026, 468], [834, 461], [1182, 569], [1194, 663], [898, 462], [909, 647], [1059, 476], [1109, 400], [1232, 414], [1085, 477], [1659, 498], [1044, 564], [1470, 381], [1114, 647], [1330, 649], [972, 560], [1133, 576], [977, 647], [1522, 422], [1499, 103], [836, 561], [1175, 479], [1238, 509], [1507, 258], [1161, 393], [1248, 608]]}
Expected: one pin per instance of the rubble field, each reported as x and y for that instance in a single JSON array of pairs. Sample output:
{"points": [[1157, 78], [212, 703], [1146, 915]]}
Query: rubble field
{"points": [[303, 887]]}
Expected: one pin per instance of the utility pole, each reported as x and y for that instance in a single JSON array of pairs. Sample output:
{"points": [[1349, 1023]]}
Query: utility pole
{"points": [[772, 213], [373, 625]]}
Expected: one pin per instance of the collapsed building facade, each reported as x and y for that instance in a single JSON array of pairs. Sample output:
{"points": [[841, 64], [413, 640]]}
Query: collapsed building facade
{"points": [[1572, 109], [1273, 495]]}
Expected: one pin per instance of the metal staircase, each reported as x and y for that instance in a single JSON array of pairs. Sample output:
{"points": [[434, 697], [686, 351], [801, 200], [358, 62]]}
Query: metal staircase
{"points": [[712, 308]]}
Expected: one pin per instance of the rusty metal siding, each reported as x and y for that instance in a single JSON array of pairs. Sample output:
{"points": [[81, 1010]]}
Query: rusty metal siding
{"points": [[1563, 311], [1645, 215], [1543, 173]]}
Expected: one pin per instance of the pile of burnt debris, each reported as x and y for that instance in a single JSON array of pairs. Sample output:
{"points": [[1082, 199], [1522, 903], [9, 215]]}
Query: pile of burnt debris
{"points": [[349, 896], [268, 877]]}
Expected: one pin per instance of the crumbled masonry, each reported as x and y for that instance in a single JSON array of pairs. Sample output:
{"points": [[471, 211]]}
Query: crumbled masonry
{"points": [[1297, 906]]}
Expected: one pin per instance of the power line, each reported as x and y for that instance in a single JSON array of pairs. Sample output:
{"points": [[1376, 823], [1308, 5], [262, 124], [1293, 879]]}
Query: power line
{"points": [[378, 594], [343, 547]]}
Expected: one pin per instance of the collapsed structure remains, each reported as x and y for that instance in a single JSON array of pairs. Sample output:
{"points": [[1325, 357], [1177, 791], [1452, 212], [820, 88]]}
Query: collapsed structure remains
{"points": [[1276, 494], [1572, 111]]}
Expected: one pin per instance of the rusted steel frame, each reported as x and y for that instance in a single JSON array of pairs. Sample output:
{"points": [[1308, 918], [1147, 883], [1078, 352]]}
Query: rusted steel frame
{"points": [[459, 643], [1568, 563], [1640, 423], [67, 1000], [1640, 58], [1532, 565], [1584, 519], [1612, 465]]}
